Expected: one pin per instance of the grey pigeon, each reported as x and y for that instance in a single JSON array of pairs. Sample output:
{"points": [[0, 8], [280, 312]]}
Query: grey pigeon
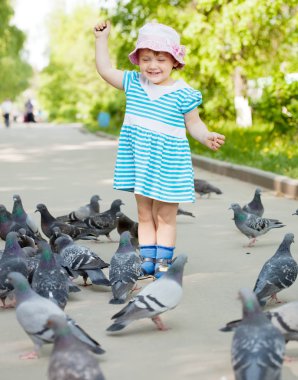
{"points": [[296, 212], [124, 223], [82, 261], [48, 222], [183, 212], [49, 280], [23, 220], [33, 311], [105, 222], [251, 225], [156, 298], [284, 318], [5, 222], [83, 212], [255, 206], [13, 259], [125, 269], [203, 187], [258, 348], [278, 273], [70, 360]]}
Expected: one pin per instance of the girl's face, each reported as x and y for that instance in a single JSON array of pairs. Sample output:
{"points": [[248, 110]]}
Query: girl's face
{"points": [[156, 66]]}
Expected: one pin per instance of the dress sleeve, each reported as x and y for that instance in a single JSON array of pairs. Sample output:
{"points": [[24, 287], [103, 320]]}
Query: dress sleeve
{"points": [[128, 77], [192, 99]]}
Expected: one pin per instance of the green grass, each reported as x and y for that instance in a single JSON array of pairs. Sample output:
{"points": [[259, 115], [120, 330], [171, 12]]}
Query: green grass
{"points": [[257, 146]]}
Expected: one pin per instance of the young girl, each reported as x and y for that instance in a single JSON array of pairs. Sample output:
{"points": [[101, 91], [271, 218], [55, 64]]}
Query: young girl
{"points": [[154, 159]]}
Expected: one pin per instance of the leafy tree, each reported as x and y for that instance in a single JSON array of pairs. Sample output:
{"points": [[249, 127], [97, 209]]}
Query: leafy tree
{"points": [[15, 73]]}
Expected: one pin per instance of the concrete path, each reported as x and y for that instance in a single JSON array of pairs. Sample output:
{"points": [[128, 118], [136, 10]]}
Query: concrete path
{"points": [[62, 167]]}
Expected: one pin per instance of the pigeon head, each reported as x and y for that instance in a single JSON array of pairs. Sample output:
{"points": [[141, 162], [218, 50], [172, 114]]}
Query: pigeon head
{"points": [[40, 207], [235, 207], [58, 324], [16, 198], [258, 191], [289, 238], [18, 281], [95, 198], [11, 240], [117, 203], [56, 231], [175, 271], [3, 214], [250, 303], [21, 232], [63, 241]]}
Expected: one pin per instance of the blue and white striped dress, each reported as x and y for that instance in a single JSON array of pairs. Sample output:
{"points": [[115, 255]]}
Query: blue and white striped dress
{"points": [[154, 157]]}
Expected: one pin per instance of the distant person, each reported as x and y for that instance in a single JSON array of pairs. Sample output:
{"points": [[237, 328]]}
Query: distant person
{"points": [[6, 107], [154, 160], [29, 115]]}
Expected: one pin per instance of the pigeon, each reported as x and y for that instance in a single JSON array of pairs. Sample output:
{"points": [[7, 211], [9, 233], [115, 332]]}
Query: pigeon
{"points": [[203, 187], [82, 261], [156, 298], [69, 358], [278, 273], [48, 222], [33, 311], [124, 223], [255, 206], [296, 212], [6, 222], [13, 259], [251, 225], [125, 269], [183, 212], [49, 280], [83, 212], [258, 348], [23, 220], [284, 318], [105, 222]]}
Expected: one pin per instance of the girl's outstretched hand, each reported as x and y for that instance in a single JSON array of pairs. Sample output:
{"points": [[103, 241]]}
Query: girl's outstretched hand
{"points": [[102, 29], [214, 140]]}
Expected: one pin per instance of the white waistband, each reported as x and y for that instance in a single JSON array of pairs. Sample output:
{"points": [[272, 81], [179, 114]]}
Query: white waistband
{"points": [[153, 125]]}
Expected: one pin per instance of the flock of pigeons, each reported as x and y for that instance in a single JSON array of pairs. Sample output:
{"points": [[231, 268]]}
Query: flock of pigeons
{"points": [[38, 273]]}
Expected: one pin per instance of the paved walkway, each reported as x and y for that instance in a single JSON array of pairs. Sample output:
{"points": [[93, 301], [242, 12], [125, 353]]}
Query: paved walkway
{"points": [[62, 167]]}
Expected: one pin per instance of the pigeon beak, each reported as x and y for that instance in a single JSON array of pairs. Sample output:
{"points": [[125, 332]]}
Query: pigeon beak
{"points": [[36, 210]]}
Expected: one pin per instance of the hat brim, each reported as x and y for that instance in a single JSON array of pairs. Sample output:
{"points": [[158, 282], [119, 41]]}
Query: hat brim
{"points": [[152, 45]]}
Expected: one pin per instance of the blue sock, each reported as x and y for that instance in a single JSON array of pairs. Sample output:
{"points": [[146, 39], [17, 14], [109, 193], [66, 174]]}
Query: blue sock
{"points": [[164, 257], [148, 254]]}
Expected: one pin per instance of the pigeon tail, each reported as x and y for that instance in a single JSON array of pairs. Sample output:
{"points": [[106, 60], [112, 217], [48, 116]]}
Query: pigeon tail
{"points": [[116, 326], [97, 277], [116, 301]]}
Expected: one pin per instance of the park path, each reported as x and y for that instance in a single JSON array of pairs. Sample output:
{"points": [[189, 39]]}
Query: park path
{"points": [[62, 166]]}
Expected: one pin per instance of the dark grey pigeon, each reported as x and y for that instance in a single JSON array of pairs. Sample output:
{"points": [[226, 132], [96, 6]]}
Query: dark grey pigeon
{"points": [[124, 223], [156, 298], [284, 318], [23, 220], [255, 206], [105, 221], [203, 187], [83, 212], [125, 269], [296, 212], [48, 222], [251, 225], [183, 212], [278, 273], [70, 360], [13, 259], [33, 312], [258, 348], [49, 280], [82, 261], [6, 222]]}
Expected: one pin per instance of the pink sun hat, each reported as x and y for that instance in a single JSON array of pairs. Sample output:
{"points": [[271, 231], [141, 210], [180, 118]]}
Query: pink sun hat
{"points": [[159, 37]]}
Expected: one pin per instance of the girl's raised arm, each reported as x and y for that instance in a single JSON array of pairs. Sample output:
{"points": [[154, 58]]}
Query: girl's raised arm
{"points": [[103, 63]]}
